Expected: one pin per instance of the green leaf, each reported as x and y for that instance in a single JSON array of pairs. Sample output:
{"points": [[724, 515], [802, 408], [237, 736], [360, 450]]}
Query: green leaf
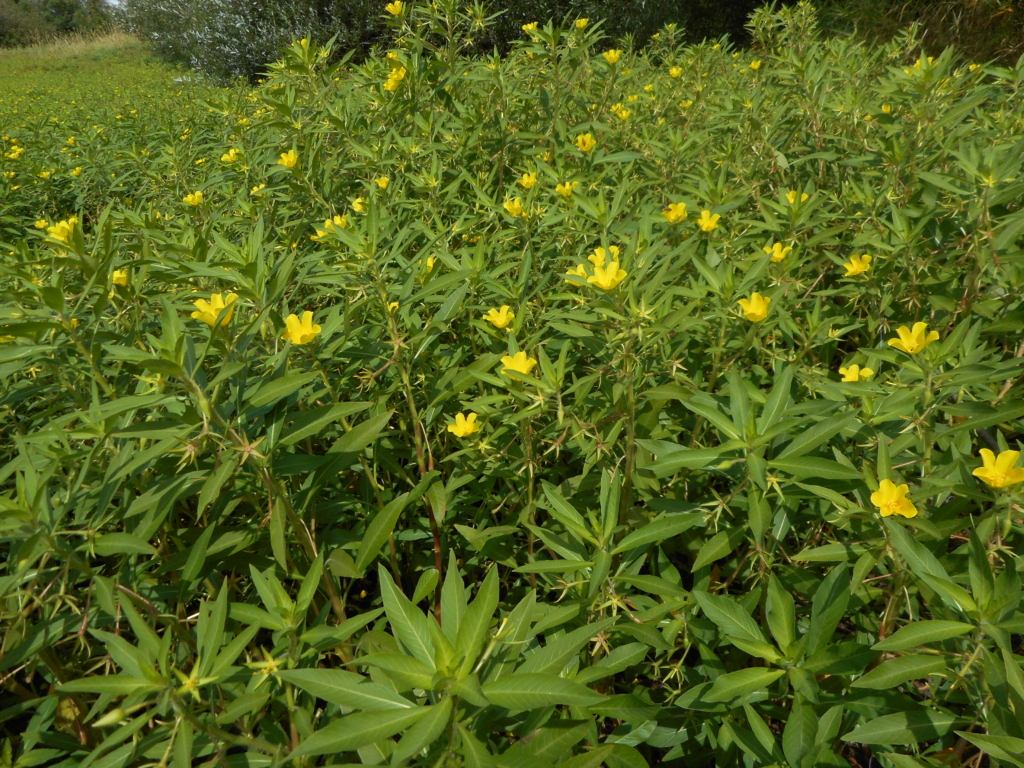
{"points": [[361, 435], [378, 530], [403, 668], [730, 617], [407, 622], [658, 530], [653, 585], [1008, 748], [212, 487], [781, 611], [312, 422], [705, 405], [669, 463], [894, 672], [621, 657], [476, 620], [828, 607], [718, 546], [121, 544], [272, 391], [346, 689], [798, 737], [530, 691], [810, 466], [922, 633], [921, 561], [554, 566], [342, 632], [777, 401], [349, 733], [905, 728], [809, 439], [425, 731], [734, 685], [110, 685], [553, 657]]}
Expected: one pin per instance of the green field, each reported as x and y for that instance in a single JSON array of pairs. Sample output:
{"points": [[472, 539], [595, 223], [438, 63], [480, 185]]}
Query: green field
{"points": [[580, 407]]}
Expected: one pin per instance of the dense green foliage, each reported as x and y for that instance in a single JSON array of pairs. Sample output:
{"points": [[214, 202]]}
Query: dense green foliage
{"points": [[26, 22], [979, 30], [233, 539], [239, 38]]}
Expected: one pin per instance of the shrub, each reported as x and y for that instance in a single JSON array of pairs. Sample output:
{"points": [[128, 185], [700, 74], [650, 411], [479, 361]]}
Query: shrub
{"points": [[288, 482], [239, 38], [982, 30], [230, 38], [21, 24]]}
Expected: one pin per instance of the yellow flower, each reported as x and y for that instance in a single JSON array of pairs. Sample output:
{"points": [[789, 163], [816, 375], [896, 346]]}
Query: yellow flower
{"points": [[566, 188], [582, 23], [999, 472], [208, 311], [258, 189], [63, 230], [600, 255], [395, 79], [621, 112], [606, 278], [887, 109], [675, 71], [585, 142], [891, 499], [707, 222], [612, 56], [530, 28], [289, 159], [230, 156], [580, 271], [857, 265], [121, 277], [675, 212], [913, 341], [77, 171], [330, 226], [431, 261], [755, 309], [792, 195], [528, 180], [300, 331], [464, 426], [42, 224], [393, 306], [518, 363], [382, 182], [359, 205], [856, 373], [755, 65], [195, 198], [515, 207], [394, 8], [500, 318], [973, 67], [45, 174], [777, 251], [686, 103]]}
